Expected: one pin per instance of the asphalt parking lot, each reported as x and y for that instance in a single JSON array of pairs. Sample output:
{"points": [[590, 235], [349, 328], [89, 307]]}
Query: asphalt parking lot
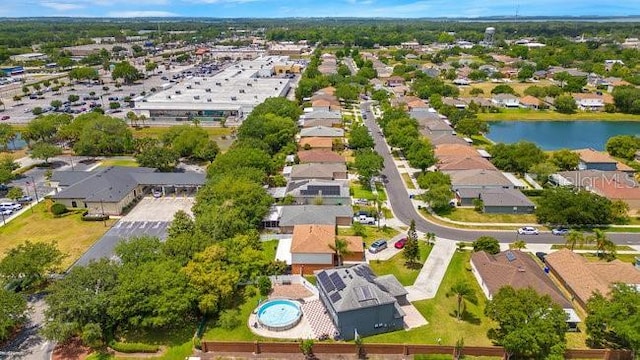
{"points": [[149, 217]]}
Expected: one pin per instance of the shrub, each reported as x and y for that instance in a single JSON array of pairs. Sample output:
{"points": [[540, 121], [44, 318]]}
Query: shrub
{"points": [[58, 209], [264, 285], [229, 319], [133, 347], [87, 217]]}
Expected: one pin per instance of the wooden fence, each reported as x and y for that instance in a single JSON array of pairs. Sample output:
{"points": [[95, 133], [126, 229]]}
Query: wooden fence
{"points": [[391, 349]]}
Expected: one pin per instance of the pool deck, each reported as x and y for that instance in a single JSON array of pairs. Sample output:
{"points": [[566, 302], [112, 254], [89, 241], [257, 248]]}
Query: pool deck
{"points": [[301, 331]]}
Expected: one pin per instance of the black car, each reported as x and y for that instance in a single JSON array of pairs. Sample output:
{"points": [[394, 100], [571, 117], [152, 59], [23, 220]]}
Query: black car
{"points": [[541, 255]]}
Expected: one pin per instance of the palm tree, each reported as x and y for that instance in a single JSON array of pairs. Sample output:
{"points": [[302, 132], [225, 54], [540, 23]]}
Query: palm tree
{"points": [[341, 248], [573, 238], [603, 243], [518, 245], [430, 237], [462, 290]]}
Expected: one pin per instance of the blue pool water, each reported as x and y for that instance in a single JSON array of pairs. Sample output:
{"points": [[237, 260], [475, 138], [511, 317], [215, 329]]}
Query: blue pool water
{"points": [[279, 314]]}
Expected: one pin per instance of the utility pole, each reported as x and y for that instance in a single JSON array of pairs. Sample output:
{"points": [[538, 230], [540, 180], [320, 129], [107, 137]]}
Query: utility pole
{"points": [[104, 220], [35, 188]]}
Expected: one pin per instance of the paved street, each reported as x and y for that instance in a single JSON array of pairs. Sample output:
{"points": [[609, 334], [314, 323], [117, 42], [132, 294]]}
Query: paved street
{"points": [[404, 209], [29, 345]]}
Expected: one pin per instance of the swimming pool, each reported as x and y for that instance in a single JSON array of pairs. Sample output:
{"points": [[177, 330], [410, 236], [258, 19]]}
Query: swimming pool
{"points": [[279, 315]]}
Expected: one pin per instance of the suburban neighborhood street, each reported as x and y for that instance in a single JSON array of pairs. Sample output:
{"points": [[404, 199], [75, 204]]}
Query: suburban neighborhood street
{"points": [[404, 209]]}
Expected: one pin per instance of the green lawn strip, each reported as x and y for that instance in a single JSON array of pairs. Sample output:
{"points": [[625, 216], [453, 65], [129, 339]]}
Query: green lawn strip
{"points": [[119, 162], [617, 229], [396, 265], [480, 141], [359, 192], [158, 131], [246, 305], [591, 247], [470, 215], [371, 233], [548, 115], [424, 212], [407, 180], [73, 236], [628, 258], [269, 249], [439, 313]]}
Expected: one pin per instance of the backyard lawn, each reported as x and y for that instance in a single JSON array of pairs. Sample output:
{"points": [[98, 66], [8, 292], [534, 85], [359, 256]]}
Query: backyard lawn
{"points": [[396, 265], [439, 313], [269, 249], [73, 235], [470, 215], [246, 305], [119, 162]]}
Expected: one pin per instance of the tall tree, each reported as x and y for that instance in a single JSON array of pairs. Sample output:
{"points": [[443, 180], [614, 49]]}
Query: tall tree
{"points": [[488, 244], [528, 325], [368, 163], [411, 251], [463, 291], [30, 262], [125, 71], [341, 248], [45, 151], [7, 135], [573, 238], [12, 312], [604, 246]]}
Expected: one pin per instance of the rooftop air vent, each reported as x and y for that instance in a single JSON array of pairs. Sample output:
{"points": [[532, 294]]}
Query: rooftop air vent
{"points": [[196, 97]]}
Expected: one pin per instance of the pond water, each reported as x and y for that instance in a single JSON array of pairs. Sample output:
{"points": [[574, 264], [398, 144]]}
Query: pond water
{"points": [[552, 135]]}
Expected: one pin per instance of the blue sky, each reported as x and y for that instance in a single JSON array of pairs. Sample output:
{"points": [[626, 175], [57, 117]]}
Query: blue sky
{"points": [[316, 8]]}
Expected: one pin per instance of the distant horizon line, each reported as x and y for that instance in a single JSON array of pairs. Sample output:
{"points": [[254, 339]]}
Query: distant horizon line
{"points": [[491, 17]]}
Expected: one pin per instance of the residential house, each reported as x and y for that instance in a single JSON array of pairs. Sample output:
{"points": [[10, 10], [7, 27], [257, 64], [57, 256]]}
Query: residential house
{"points": [[284, 218], [440, 138], [321, 131], [394, 81], [411, 45], [482, 102], [434, 127], [614, 185], [449, 163], [359, 302], [530, 102], [583, 278], [591, 159], [520, 271], [416, 104], [478, 178], [588, 101], [497, 200], [431, 72], [320, 156], [462, 81], [110, 190], [316, 143], [332, 171], [321, 104], [457, 103], [505, 100], [451, 150], [319, 192], [311, 248]]}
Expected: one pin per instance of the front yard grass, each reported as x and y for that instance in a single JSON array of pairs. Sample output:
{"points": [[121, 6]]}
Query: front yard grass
{"points": [[72, 235], [439, 312], [359, 192], [591, 247], [628, 258], [119, 162], [426, 214], [370, 233], [550, 115], [470, 215], [396, 265]]}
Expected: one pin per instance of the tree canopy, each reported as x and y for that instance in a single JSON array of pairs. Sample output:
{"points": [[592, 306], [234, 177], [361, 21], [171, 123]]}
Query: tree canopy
{"points": [[517, 157], [563, 206]]}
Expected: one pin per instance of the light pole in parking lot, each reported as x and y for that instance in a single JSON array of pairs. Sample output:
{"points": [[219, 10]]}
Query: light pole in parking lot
{"points": [[35, 188], [104, 220]]}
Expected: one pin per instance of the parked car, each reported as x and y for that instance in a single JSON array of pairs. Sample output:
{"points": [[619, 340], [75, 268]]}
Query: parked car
{"points": [[6, 212], [378, 246], [365, 219], [156, 193], [560, 231], [400, 243], [10, 205], [25, 199], [6, 117], [528, 230]]}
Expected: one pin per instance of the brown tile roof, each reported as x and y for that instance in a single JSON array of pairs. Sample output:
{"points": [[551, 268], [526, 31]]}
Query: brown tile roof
{"points": [[317, 142], [320, 156], [583, 278], [321, 103], [593, 156], [316, 239], [329, 90], [461, 150], [530, 100], [497, 271], [313, 239], [464, 163]]}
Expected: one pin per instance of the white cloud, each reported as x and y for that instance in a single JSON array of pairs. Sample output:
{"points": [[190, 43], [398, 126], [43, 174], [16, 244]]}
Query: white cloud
{"points": [[141, 13], [61, 6]]}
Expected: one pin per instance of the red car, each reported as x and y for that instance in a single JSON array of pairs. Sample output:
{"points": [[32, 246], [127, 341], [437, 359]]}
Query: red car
{"points": [[400, 243]]}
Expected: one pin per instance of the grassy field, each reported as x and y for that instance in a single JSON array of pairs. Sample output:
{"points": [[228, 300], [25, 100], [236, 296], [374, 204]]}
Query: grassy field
{"points": [[439, 312], [396, 265], [519, 87], [407, 180], [371, 233], [269, 248], [424, 212], [119, 162], [178, 343], [549, 115], [470, 215], [241, 332], [73, 235], [15, 155]]}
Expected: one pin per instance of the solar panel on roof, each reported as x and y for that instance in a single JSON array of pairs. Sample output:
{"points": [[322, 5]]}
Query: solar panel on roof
{"points": [[510, 256], [335, 297], [363, 293], [323, 279], [337, 281]]}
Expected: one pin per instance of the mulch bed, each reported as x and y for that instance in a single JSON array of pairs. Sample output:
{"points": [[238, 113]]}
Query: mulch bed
{"points": [[71, 350]]}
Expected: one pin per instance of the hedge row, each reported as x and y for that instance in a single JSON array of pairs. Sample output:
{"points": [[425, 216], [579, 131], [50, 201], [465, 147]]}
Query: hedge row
{"points": [[133, 347]]}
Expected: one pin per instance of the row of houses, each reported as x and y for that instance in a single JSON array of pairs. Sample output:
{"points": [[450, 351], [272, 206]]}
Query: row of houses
{"points": [[473, 176]]}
